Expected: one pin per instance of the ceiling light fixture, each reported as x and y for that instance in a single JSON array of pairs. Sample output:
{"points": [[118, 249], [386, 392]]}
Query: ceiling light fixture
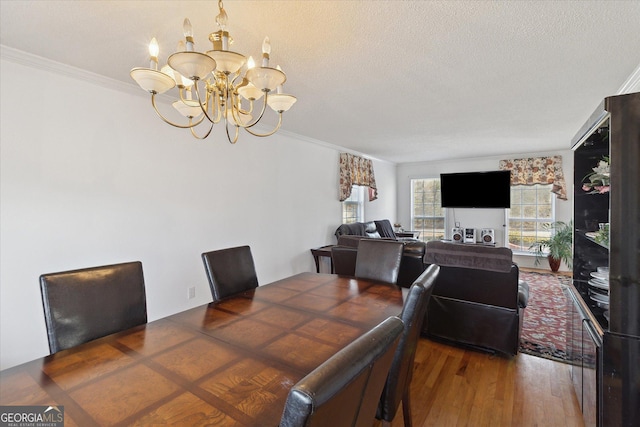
{"points": [[224, 88]]}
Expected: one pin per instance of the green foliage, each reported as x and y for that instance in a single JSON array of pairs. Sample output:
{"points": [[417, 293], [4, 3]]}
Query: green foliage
{"points": [[602, 236], [558, 246]]}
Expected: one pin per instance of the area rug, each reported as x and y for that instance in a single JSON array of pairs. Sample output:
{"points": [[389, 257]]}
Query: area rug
{"points": [[544, 328]]}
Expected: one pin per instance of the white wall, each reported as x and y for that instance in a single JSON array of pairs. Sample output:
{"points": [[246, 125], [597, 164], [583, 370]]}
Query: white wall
{"points": [[481, 218], [90, 176]]}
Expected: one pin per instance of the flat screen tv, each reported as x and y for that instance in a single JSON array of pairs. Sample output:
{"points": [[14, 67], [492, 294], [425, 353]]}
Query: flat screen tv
{"points": [[476, 189]]}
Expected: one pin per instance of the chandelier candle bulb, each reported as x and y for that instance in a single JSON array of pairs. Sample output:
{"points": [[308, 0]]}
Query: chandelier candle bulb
{"points": [[188, 34], [266, 51], [225, 41], [221, 21], [154, 50]]}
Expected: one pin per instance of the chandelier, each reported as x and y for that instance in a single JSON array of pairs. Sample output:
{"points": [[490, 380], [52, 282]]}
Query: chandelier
{"points": [[216, 85]]}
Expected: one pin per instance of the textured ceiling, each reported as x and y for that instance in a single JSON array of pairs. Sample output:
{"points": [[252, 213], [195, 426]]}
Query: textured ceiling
{"points": [[401, 81]]}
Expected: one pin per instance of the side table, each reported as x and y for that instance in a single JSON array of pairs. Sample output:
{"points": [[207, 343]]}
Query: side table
{"points": [[322, 251]]}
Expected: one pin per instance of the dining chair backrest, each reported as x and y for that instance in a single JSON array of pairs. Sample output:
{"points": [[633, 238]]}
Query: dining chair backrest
{"points": [[345, 390], [396, 389], [343, 259], [86, 304], [379, 260], [230, 271]]}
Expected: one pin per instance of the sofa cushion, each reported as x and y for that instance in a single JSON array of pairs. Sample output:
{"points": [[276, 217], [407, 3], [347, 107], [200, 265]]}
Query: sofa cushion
{"points": [[367, 229], [353, 229], [385, 229], [469, 256], [370, 230]]}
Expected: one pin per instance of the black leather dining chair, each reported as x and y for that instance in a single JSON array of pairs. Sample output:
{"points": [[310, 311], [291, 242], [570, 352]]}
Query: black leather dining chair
{"points": [[345, 390], [230, 271], [343, 259], [90, 303], [379, 260], [396, 389]]}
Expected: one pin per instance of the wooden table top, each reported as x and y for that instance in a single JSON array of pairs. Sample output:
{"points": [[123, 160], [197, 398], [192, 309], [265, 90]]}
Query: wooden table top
{"points": [[230, 364]]}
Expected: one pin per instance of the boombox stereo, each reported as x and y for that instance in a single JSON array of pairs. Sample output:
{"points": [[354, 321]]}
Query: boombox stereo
{"points": [[457, 235], [469, 235], [487, 236]]}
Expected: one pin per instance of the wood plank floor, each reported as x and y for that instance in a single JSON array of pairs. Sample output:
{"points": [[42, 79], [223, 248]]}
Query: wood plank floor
{"points": [[453, 386]]}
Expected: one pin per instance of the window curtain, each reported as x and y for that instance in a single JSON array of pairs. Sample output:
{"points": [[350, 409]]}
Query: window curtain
{"points": [[537, 170], [355, 170]]}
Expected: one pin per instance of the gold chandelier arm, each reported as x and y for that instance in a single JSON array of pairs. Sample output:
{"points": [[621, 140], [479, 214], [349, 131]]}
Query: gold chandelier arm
{"points": [[237, 101], [235, 77], [203, 107], [270, 133], [215, 107], [264, 108], [235, 137], [193, 132], [189, 126], [250, 110], [181, 90], [235, 112]]}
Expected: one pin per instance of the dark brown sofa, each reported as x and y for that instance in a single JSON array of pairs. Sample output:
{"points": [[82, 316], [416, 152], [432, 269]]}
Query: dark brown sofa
{"points": [[411, 266], [477, 299]]}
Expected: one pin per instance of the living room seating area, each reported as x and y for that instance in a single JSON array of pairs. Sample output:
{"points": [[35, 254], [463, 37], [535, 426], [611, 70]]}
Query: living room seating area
{"points": [[349, 237], [477, 299], [377, 229]]}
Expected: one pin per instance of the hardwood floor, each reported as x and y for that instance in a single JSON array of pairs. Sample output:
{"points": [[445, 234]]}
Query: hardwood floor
{"points": [[457, 387]]}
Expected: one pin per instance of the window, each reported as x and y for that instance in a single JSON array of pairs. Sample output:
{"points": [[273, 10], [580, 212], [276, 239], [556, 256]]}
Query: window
{"points": [[532, 206], [427, 214], [353, 207]]}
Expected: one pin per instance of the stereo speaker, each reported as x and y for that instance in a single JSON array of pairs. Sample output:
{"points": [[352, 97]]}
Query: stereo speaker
{"points": [[487, 236], [457, 235], [469, 235]]}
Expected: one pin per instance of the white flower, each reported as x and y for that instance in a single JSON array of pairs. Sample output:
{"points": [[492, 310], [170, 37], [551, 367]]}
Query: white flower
{"points": [[602, 168]]}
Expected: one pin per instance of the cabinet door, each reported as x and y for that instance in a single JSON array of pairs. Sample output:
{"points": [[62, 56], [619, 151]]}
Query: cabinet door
{"points": [[585, 347], [590, 360], [575, 349]]}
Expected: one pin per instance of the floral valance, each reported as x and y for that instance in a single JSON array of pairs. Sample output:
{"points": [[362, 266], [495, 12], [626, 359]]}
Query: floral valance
{"points": [[355, 170], [537, 170]]}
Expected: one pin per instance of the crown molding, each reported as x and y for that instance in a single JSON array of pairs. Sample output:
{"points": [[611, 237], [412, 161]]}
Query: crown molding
{"points": [[38, 62], [41, 63], [632, 84], [332, 146]]}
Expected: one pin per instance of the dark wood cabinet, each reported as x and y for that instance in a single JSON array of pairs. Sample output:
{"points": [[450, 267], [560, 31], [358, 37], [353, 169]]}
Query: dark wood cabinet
{"points": [[586, 356], [604, 332]]}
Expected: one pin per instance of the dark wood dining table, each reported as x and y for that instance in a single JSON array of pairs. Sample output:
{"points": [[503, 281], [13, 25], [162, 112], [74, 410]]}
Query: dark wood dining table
{"points": [[227, 364]]}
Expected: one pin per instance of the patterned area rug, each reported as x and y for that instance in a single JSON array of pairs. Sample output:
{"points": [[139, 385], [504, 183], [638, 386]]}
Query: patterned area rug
{"points": [[544, 328]]}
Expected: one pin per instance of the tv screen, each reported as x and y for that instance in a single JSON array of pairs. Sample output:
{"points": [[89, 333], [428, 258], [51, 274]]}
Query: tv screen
{"points": [[476, 189]]}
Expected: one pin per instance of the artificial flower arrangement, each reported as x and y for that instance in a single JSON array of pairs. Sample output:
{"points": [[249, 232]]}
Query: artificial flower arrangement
{"points": [[598, 181]]}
